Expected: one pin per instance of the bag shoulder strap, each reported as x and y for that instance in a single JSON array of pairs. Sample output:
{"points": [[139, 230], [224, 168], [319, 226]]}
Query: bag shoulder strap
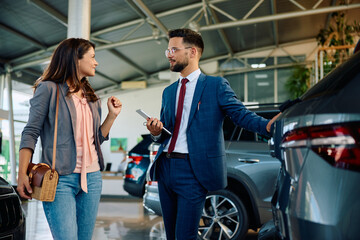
{"points": [[55, 128]]}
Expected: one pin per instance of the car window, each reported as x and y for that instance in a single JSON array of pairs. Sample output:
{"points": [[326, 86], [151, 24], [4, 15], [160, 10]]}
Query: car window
{"points": [[233, 132]]}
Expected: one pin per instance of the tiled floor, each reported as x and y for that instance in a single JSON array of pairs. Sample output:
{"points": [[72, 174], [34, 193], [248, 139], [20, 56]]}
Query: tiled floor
{"points": [[120, 218]]}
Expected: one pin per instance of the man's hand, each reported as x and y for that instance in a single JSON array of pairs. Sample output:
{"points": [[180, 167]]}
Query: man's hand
{"points": [[268, 126], [154, 126]]}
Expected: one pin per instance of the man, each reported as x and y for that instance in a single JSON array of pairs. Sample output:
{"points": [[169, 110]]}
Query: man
{"points": [[191, 161]]}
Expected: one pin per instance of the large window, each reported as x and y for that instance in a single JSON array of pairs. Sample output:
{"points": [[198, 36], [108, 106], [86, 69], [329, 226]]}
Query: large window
{"points": [[237, 84], [252, 84], [21, 112], [261, 86]]}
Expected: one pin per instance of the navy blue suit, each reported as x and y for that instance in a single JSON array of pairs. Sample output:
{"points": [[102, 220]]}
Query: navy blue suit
{"points": [[213, 100]]}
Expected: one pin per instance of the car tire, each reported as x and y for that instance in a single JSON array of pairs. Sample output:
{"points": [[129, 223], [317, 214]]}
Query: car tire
{"points": [[229, 220], [157, 230]]}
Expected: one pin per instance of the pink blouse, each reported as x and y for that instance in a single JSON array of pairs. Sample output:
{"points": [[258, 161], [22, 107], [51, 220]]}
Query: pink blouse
{"points": [[86, 155]]}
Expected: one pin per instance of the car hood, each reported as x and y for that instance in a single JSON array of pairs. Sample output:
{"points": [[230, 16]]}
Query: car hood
{"points": [[5, 187]]}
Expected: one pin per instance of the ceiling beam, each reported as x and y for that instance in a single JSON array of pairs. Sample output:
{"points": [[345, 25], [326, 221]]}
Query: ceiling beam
{"points": [[136, 8], [129, 62], [120, 26], [151, 15], [162, 14], [280, 16], [328, 17], [102, 47], [317, 4], [32, 72], [204, 28], [221, 32], [275, 27], [253, 9], [50, 11], [23, 36], [107, 77], [298, 5], [123, 43]]}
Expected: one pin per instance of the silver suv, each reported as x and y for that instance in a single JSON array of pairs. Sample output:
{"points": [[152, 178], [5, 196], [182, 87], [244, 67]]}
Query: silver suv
{"points": [[245, 202], [317, 141]]}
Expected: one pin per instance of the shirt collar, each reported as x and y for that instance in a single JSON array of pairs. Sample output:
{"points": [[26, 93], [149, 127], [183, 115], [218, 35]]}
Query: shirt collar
{"points": [[192, 76]]}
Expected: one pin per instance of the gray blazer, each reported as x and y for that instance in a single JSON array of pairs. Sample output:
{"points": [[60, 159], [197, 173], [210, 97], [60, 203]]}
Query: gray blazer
{"points": [[42, 120]]}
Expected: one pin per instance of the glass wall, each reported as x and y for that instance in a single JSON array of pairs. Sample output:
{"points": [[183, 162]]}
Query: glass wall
{"points": [[21, 112], [237, 84], [251, 84], [261, 86]]}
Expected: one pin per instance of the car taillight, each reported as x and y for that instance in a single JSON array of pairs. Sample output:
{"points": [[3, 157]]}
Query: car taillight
{"points": [[152, 183], [152, 156], [337, 144], [135, 159], [129, 176]]}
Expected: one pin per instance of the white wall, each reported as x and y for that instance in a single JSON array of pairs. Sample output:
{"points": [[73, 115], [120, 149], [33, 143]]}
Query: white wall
{"points": [[129, 124]]}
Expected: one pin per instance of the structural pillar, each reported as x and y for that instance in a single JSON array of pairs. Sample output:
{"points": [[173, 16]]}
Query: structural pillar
{"points": [[2, 86], [11, 126], [79, 19]]}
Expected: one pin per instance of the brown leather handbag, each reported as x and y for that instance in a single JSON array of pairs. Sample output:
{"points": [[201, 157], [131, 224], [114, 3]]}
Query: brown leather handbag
{"points": [[42, 178]]}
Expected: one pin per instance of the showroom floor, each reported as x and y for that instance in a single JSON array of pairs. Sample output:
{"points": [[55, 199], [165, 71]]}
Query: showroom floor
{"points": [[119, 218]]}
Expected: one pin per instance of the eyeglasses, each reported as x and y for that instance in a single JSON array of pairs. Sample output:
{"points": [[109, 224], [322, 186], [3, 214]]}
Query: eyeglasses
{"points": [[173, 50]]}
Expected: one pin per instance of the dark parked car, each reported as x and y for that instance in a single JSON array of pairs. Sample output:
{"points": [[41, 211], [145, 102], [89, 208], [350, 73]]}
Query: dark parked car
{"points": [[318, 143], [138, 163], [245, 203], [12, 217]]}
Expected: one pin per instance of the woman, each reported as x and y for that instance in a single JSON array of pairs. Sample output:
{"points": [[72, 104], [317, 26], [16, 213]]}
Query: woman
{"points": [[72, 214]]}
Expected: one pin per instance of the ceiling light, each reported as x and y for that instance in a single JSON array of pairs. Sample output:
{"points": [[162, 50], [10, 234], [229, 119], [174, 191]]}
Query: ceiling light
{"points": [[260, 65]]}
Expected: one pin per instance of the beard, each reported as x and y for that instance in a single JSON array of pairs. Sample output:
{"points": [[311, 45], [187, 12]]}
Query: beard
{"points": [[178, 67]]}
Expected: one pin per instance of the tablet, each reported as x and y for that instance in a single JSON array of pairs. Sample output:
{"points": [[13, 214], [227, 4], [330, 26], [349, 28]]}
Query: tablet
{"points": [[146, 116]]}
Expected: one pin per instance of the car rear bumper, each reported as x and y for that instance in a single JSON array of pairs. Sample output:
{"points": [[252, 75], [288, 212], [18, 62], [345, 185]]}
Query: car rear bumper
{"points": [[134, 188], [151, 201], [303, 229]]}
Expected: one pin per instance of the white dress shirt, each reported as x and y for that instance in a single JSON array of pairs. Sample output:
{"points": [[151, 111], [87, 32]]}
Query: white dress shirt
{"points": [[181, 142]]}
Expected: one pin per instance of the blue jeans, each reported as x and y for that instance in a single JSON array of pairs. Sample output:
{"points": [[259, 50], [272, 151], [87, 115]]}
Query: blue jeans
{"points": [[72, 215]]}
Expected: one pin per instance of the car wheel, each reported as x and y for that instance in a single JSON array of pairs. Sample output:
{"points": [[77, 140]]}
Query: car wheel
{"points": [[157, 231], [224, 217]]}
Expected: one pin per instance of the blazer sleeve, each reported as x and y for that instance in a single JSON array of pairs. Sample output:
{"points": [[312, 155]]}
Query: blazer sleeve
{"points": [[39, 108], [238, 113], [101, 137]]}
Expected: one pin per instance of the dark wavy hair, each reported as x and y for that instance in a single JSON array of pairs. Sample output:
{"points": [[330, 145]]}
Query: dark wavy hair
{"points": [[189, 36], [63, 67]]}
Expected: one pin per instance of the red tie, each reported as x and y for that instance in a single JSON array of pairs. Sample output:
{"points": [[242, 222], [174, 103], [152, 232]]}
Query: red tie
{"points": [[178, 114]]}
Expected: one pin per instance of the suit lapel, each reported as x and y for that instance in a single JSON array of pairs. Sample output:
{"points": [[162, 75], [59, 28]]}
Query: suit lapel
{"points": [[197, 95], [172, 102]]}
